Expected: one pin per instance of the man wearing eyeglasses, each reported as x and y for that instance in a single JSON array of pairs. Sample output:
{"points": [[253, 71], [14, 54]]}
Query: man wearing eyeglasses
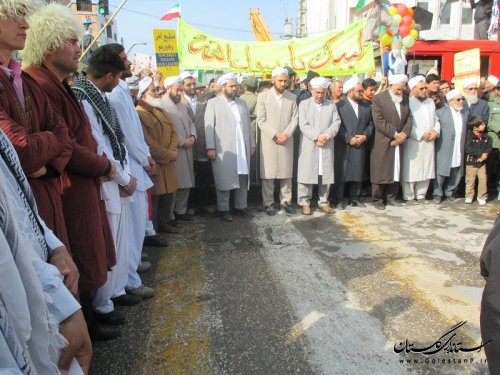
{"points": [[418, 158], [472, 102], [450, 147]]}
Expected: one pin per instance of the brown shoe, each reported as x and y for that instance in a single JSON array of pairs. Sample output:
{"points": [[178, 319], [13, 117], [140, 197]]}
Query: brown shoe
{"points": [[326, 209], [306, 210]]}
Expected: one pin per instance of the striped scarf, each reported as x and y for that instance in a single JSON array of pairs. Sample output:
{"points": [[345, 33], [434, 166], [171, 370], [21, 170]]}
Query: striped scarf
{"points": [[85, 90]]}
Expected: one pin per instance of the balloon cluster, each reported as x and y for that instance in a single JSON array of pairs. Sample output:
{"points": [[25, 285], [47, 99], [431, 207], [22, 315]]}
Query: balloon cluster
{"points": [[403, 16]]}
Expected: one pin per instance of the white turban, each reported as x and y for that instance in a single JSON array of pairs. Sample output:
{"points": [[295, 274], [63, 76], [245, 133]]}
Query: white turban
{"points": [[279, 70], [415, 81], [226, 77], [169, 81], [350, 83], [132, 83], [185, 75], [143, 85], [493, 80], [394, 79], [470, 81], [319, 82], [452, 94]]}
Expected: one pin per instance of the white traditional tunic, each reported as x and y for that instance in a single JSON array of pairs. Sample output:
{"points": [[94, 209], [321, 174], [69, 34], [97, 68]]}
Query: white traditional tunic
{"points": [[397, 164], [419, 155], [456, 159], [240, 141]]}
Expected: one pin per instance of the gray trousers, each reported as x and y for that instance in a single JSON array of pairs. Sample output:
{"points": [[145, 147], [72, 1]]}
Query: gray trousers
{"points": [[481, 29], [447, 185], [163, 205], [304, 193], [268, 191], [181, 201], [240, 195]]}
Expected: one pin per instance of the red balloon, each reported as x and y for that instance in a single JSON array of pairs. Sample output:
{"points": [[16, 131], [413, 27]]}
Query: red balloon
{"points": [[407, 20], [404, 30], [402, 9]]}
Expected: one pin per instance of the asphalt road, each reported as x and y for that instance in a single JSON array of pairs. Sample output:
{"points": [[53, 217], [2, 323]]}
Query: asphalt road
{"points": [[346, 293]]}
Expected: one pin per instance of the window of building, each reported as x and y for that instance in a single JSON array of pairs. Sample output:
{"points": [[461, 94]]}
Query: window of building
{"points": [[109, 32], [84, 6], [445, 12], [423, 4], [466, 16]]}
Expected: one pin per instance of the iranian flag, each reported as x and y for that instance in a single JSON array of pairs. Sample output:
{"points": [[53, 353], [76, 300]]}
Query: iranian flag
{"points": [[174, 12]]}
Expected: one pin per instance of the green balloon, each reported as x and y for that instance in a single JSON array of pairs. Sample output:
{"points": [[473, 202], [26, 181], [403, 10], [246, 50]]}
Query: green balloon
{"points": [[408, 41], [397, 18]]}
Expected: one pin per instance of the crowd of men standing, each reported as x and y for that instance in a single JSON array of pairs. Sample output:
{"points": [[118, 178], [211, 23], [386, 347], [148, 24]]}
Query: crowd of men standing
{"points": [[92, 171]]}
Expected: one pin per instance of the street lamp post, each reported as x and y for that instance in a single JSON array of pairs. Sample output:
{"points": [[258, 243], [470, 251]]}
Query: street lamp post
{"points": [[136, 44]]}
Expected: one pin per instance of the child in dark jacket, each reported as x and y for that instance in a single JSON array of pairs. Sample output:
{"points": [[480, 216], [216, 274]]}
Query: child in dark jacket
{"points": [[478, 145]]}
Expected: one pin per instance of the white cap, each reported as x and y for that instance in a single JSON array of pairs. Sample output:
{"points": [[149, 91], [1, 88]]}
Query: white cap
{"points": [[169, 81], [226, 77], [397, 78], [350, 83], [469, 82], [143, 85], [494, 80], [132, 83], [452, 94], [319, 82], [185, 75], [279, 70], [415, 80]]}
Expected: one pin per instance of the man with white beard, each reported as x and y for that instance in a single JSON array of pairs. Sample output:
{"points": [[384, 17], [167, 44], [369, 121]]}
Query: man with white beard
{"points": [[472, 103], [393, 122], [418, 159], [450, 147], [162, 139]]}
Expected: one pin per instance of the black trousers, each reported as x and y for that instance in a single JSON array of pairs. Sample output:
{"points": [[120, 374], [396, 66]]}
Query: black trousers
{"points": [[387, 192], [354, 190], [203, 194]]}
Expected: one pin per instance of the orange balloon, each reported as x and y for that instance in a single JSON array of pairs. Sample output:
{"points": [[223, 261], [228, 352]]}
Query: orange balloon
{"points": [[410, 12]]}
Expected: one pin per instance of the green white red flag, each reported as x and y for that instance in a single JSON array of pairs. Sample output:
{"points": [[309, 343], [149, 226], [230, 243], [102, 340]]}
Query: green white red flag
{"points": [[174, 12]]}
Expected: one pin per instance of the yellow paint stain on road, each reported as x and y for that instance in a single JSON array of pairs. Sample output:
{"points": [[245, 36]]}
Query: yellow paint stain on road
{"points": [[178, 341], [418, 278]]}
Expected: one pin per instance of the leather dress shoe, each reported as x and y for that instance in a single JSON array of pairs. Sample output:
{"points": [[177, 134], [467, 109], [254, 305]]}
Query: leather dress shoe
{"points": [[174, 223], [452, 199], [144, 266], [356, 203], [326, 209], [270, 210], [183, 217], [437, 199], [341, 206], [379, 206], [306, 210], [244, 212], [412, 202], [126, 300], [101, 332], [168, 229], [155, 240], [143, 291], [394, 203], [207, 210], [423, 201], [114, 318], [226, 216], [289, 209]]}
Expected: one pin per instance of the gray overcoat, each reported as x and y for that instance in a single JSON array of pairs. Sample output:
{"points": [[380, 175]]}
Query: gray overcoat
{"points": [[276, 161], [444, 144], [200, 151], [313, 122], [184, 165], [387, 122], [350, 160], [220, 135]]}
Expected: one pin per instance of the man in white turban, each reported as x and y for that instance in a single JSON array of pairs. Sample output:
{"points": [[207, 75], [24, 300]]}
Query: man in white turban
{"points": [[490, 85], [319, 123], [277, 118], [393, 121], [418, 158], [472, 103], [230, 143], [450, 147], [184, 165]]}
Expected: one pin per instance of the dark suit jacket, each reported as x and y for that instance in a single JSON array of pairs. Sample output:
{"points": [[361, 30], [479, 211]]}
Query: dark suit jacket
{"points": [[350, 160], [387, 122], [480, 109]]}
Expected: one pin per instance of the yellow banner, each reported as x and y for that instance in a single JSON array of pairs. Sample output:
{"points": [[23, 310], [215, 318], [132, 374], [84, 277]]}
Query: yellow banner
{"points": [[467, 65], [339, 52], [167, 58]]}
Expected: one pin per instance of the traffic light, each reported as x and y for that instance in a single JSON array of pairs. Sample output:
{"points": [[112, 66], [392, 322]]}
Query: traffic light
{"points": [[103, 7]]}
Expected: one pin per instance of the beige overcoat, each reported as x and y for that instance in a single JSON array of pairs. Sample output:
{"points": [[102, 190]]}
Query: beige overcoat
{"points": [[276, 161]]}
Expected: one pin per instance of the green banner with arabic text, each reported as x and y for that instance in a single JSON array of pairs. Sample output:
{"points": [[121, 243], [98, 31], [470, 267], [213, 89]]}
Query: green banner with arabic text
{"points": [[339, 52]]}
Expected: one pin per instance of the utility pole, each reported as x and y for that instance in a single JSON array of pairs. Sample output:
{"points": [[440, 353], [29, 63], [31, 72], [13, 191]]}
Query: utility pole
{"points": [[302, 19]]}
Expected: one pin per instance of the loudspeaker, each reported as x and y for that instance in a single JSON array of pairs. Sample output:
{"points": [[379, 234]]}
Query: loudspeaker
{"points": [[423, 17]]}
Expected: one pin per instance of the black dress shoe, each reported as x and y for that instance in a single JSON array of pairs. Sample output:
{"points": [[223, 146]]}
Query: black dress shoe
{"points": [[156, 240], [244, 212], [226, 216], [183, 217], [394, 203], [126, 300], [356, 203], [100, 332], [289, 209], [270, 210], [174, 223], [114, 318], [167, 228]]}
